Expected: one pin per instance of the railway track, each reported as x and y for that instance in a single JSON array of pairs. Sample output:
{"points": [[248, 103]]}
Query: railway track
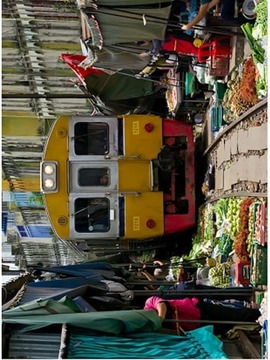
{"points": [[238, 156]]}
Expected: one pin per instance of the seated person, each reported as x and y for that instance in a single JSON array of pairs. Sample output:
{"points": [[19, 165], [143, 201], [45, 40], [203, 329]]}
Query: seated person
{"points": [[194, 309], [104, 180]]}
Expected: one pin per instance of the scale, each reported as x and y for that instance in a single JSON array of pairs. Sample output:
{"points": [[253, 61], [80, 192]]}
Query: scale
{"points": [[248, 9]]}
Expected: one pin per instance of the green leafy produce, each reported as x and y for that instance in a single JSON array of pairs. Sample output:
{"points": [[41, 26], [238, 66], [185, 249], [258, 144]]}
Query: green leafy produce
{"points": [[221, 208], [257, 51], [257, 38], [262, 81], [261, 11]]}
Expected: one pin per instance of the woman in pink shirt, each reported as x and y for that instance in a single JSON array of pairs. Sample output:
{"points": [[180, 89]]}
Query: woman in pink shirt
{"points": [[203, 309], [176, 309]]}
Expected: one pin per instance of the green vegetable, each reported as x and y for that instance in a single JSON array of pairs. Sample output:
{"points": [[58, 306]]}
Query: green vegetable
{"points": [[257, 51], [261, 11]]}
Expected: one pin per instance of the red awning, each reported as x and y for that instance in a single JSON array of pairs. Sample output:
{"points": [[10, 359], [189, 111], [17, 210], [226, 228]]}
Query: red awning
{"points": [[74, 61]]}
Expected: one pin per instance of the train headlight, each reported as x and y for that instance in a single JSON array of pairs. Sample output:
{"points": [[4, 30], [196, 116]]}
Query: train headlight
{"points": [[49, 183], [48, 169], [48, 176]]}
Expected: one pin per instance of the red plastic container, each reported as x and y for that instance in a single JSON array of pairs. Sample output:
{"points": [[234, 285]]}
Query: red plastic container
{"points": [[242, 272]]}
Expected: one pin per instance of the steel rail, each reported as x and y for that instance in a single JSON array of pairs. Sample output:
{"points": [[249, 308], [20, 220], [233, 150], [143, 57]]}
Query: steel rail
{"points": [[242, 118], [232, 125]]}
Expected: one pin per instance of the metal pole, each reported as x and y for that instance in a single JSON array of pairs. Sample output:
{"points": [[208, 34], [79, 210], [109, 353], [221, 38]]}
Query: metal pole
{"points": [[229, 322], [174, 294], [44, 96]]}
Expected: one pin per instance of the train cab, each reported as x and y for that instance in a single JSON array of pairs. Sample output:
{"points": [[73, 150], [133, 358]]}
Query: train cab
{"points": [[126, 177]]}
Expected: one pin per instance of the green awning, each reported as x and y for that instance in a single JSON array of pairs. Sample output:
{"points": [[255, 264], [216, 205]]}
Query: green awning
{"points": [[118, 86], [42, 313]]}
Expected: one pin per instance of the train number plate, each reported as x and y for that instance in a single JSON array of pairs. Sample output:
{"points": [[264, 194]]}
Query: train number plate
{"points": [[135, 128], [136, 223]]}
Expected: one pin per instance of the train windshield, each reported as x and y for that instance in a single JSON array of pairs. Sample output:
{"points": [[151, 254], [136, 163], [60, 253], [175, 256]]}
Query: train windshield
{"points": [[94, 177], [91, 138], [92, 215]]}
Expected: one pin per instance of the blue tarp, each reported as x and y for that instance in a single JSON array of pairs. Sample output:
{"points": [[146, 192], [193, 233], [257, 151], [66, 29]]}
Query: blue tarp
{"points": [[197, 344], [93, 281], [32, 294], [102, 269]]}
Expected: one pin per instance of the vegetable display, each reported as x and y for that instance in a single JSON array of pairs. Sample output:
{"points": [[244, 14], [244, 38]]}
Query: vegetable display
{"points": [[248, 82], [219, 275], [241, 93], [240, 245], [202, 242], [227, 231], [257, 224], [256, 36]]}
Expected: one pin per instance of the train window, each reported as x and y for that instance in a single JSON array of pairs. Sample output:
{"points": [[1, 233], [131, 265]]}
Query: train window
{"points": [[92, 215], [94, 177], [91, 138]]}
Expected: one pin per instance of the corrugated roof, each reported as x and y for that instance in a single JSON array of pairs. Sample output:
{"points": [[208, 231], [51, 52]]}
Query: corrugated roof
{"points": [[34, 345]]}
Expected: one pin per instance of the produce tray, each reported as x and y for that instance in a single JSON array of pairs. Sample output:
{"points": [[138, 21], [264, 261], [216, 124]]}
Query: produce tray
{"points": [[258, 270]]}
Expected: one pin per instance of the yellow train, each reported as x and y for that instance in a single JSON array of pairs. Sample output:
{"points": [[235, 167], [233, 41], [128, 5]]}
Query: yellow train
{"points": [[118, 177]]}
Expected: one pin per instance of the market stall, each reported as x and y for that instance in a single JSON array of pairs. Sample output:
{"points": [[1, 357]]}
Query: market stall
{"points": [[247, 82], [232, 235], [232, 230]]}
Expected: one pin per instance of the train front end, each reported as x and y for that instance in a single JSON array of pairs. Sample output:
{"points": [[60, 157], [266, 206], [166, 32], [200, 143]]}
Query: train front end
{"points": [[118, 177]]}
